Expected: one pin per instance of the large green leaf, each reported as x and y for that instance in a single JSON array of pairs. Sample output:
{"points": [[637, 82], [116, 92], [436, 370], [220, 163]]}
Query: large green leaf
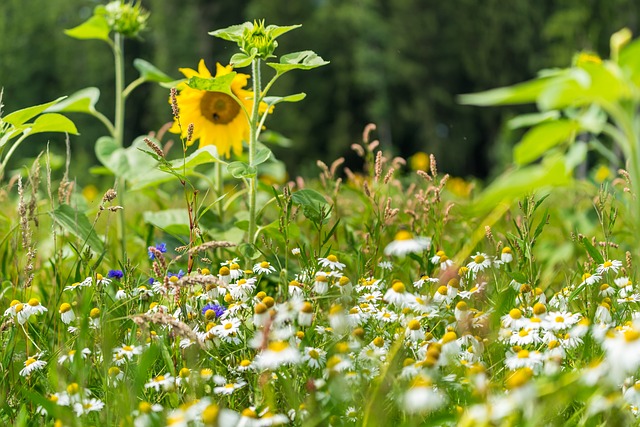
{"points": [[20, 117], [213, 84], [82, 101], [522, 93], [629, 60], [150, 72], [584, 85], [95, 27], [79, 225], [515, 184], [129, 163], [542, 138], [53, 122], [159, 175], [172, 221], [304, 60]]}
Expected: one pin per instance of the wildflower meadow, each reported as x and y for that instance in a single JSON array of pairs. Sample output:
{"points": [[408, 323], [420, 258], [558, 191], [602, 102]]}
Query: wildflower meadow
{"points": [[206, 287]]}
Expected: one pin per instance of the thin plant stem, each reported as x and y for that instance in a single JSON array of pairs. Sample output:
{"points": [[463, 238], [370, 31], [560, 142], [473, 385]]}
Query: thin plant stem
{"points": [[118, 54], [253, 139]]}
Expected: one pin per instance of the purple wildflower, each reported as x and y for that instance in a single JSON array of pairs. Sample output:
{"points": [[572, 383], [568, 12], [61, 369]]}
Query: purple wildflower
{"points": [[162, 247], [217, 309], [115, 274]]}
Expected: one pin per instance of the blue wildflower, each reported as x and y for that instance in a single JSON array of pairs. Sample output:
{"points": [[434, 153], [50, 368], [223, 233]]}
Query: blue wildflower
{"points": [[162, 247], [177, 275], [217, 309], [115, 274]]}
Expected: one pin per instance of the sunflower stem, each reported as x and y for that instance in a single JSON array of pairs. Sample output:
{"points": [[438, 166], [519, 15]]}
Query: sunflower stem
{"points": [[253, 139], [118, 54]]}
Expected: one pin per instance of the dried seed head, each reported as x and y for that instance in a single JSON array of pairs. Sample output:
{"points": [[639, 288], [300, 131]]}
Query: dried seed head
{"points": [[367, 130], [154, 147], [388, 176], [174, 103], [378, 166], [358, 149], [190, 132], [110, 195], [433, 166]]}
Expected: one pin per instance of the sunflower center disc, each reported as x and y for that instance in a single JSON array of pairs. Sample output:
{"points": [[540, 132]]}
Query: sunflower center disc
{"points": [[219, 107]]}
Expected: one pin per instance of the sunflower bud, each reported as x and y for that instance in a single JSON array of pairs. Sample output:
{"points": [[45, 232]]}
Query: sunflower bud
{"points": [[128, 19], [257, 40]]}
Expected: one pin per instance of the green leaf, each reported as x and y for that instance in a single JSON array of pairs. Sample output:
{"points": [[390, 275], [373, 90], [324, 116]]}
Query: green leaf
{"points": [[53, 122], [527, 120], [542, 138], [273, 100], [629, 60], [576, 155], [514, 184], [583, 85], [275, 138], [593, 252], [79, 225], [262, 155], [22, 116], [172, 221], [96, 28], [213, 84], [304, 60], [276, 31], [129, 163], [241, 59], [313, 204], [249, 250], [204, 155], [233, 33], [522, 93], [150, 72], [241, 170], [82, 101]]}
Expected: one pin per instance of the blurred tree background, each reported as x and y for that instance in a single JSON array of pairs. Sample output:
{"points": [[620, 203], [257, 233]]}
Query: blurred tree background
{"points": [[396, 63]]}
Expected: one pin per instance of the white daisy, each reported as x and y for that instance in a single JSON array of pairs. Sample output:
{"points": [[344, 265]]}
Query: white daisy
{"points": [[31, 365], [480, 262], [385, 265], [441, 258], [86, 406], [263, 267], [229, 388], [609, 265], [278, 353], [321, 284], [418, 284], [331, 261], [314, 357], [404, 243], [506, 255], [166, 382], [66, 313], [230, 326]]}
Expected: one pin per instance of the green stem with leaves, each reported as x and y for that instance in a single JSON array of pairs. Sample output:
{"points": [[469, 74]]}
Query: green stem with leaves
{"points": [[253, 140]]}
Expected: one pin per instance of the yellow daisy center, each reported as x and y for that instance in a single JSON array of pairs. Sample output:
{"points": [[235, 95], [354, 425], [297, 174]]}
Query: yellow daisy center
{"points": [[403, 235]]}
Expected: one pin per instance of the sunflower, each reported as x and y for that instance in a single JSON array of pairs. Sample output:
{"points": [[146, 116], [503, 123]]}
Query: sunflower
{"points": [[217, 118]]}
